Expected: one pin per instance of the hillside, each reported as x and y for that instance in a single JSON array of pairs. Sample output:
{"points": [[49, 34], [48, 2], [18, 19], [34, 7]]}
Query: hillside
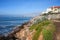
{"points": [[43, 27], [43, 30]]}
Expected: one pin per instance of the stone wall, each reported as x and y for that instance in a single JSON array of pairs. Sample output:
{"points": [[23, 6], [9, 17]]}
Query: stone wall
{"points": [[53, 16]]}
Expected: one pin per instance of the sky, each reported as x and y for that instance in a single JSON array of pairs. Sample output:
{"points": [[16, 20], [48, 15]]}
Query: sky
{"points": [[25, 7]]}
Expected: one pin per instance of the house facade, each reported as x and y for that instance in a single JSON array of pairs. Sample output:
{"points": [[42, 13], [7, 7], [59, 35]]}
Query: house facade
{"points": [[53, 12], [56, 12], [54, 9]]}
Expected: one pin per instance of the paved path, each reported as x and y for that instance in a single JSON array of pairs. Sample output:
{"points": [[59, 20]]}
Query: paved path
{"points": [[57, 32]]}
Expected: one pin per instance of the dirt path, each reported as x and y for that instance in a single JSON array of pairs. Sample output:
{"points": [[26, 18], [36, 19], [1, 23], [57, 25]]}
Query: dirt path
{"points": [[41, 36], [57, 32]]}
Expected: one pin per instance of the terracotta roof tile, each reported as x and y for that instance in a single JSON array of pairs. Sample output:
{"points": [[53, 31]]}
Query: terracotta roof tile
{"points": [[55, 7]]}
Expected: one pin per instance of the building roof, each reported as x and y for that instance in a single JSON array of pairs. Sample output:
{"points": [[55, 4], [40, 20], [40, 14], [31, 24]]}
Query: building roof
{"points": [[55, 7]]}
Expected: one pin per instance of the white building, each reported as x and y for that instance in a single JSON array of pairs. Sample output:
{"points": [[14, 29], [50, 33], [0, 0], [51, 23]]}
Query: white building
{"points": [[54, 9]]}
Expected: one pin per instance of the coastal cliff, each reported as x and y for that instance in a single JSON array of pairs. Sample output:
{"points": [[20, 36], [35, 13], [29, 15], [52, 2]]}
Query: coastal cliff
{"points": [[38, 28]]}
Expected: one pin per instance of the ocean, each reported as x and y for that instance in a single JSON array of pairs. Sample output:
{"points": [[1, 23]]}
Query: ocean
{"points": [[8, 23]]}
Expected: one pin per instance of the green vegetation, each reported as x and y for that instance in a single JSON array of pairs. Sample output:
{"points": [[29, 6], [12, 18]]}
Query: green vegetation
{"points": [[48, 32], [46, 27], [38, 23], [38, 30]]}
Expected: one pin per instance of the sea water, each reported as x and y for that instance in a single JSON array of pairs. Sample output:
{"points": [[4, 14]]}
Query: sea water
{"points": [[8, 23]]}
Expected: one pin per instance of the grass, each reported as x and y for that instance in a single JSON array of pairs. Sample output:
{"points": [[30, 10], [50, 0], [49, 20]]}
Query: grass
{"points": [[36, 35], [48, 35], [42, 23], [42, 26], [48, 32]]}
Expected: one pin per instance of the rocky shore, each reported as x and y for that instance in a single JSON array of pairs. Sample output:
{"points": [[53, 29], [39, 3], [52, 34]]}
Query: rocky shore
{"points": [[19, 33]]}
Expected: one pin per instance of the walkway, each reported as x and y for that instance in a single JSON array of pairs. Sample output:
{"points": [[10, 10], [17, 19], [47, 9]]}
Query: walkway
{"points": [[57, 32]]}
